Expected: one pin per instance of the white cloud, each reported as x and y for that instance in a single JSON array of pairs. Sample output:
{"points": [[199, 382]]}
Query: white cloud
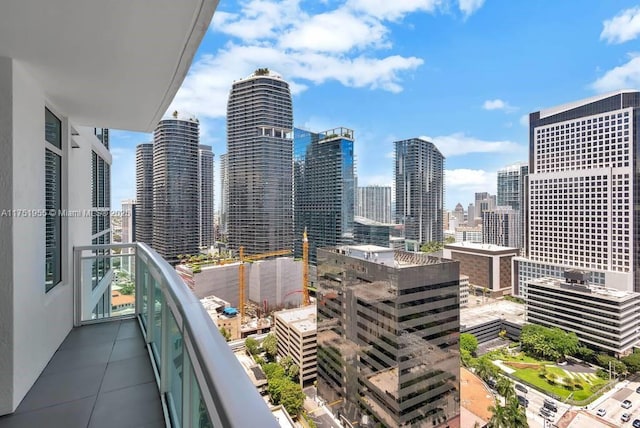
{"points": [[524, 120], [375, 180], [498, 104], [460, 144], [468, 7], [623, 27], [470, 179], [336, 31], [621, 77], [394, 10]]}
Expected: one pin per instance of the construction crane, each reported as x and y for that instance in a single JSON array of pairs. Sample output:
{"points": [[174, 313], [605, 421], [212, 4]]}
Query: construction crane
{"points": [[305, 269], [242, 298]]}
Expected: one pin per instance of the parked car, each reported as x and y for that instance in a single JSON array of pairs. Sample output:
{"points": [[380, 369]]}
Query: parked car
{"points": [[638, 390], [523, 401], [625, 417], [548, 404], [491, 383], [601, 412], [626, 404], [521, 388], [636, 423], [545, 413]]}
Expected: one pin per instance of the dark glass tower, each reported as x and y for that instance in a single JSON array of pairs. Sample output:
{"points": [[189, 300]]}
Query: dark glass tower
{"points": [[144, 193], [324, 188], [419, 179], [259, 163], [176, 192]]}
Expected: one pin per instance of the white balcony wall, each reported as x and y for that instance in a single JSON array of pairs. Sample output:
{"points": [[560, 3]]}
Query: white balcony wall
{"points": [[34, 323]]}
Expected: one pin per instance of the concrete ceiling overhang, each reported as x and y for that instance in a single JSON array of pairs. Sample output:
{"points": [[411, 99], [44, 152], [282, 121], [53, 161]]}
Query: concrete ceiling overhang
{"points": [[106, 63]]}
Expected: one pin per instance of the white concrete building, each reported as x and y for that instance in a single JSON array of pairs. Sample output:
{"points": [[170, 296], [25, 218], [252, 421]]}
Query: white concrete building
{"points": [[296, 332], [603, 318]]}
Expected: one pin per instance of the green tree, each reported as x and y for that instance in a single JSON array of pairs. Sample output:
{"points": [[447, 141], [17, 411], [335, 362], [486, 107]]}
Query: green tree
{"points": [[468, 342], [290, 367], [504, 386], [225, 333], [485, 368], [516, 414], [449, 240], [292, 397], [467, 359], [127, 288], [632, 361], [252, 345], [270, 346], [499, 419], [431, 247]]}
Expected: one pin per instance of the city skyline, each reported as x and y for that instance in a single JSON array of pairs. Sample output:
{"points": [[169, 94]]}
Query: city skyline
{"points": [[406, 76]]}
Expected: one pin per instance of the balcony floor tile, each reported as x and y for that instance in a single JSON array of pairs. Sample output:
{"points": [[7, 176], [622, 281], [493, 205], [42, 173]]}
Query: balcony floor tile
{"points": [[101, 376]]}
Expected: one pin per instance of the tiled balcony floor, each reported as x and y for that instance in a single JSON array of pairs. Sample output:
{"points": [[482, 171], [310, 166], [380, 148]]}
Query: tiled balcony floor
{"points": [[101, 376]]}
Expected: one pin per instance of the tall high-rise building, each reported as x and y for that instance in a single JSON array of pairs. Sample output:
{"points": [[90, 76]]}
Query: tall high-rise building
{"points": [[387, 333], [176, 192], [324, 188], [511, 185], [205, 183], [144, 193], [260, 162], [512, 192], [224, 194], [419, 186], [458, 214], [374, 203], [128, 221], [483, 202], [501, 226], [584, 192]]}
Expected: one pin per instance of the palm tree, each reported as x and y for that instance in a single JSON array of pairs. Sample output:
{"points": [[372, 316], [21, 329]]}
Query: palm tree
{"points": [[500, 418], [505, 387], [485, 368], [516, 414]]}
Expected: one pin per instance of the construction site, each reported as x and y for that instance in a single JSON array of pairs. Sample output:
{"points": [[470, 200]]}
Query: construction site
{"points": [[247, 289]]}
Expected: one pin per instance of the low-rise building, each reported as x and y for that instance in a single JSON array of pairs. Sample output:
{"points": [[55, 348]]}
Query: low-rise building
{"points": [[487, 266], [296, 336], [603, 318], [464, 290]]}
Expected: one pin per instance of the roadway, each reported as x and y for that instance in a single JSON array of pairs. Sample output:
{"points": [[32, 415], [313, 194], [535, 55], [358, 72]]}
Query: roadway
{"points": [[536, 402], [318, 409]]}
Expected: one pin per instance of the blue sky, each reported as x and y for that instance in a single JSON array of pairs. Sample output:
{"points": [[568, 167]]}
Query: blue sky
{"points": [[464, 73]]}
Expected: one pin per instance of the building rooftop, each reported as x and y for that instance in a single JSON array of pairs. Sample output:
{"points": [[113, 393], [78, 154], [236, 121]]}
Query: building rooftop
{"points": [[586, 289], [302, 319], [569, 106], [389, 256], [496, 309], [369, 222], [466, 245], [475, 399]]}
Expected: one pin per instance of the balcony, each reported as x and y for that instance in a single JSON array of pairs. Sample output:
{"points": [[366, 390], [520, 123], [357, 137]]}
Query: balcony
{"points": [[148, 356]]}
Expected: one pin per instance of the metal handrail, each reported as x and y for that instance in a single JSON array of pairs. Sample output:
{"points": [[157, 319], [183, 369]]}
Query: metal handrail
{"points": [[229, 396]]}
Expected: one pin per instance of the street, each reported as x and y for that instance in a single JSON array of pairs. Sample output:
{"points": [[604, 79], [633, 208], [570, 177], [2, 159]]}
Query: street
{"points": [[611, 403], [317, 409], [536, 401]]}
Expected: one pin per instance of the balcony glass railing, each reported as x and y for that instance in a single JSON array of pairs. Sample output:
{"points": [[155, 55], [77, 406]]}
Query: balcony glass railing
{"points": [[200, 381]]}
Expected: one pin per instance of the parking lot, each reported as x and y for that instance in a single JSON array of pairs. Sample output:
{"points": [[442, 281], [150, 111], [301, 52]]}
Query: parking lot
{"points": [[612, 405]]}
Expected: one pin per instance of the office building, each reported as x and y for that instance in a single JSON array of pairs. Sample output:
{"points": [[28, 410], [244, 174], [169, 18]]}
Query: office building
{"points": [[388, 325], [259, 163], [324, 188], [419, 186], [483, 202], [487, 266], [583, 190], [458, 214], [296, 335], [205, 184], [512, 186], [128, 234], [176, 194], [603, 318], [65, 68], [144, 193], [224, 195], [366, 231], [374, 203], [468, 234], [502, 226]]}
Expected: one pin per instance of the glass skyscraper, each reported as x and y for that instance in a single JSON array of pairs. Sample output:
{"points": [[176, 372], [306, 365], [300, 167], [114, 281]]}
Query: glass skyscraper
{"points": [[324, 188], [259, 163], [419, 179]]}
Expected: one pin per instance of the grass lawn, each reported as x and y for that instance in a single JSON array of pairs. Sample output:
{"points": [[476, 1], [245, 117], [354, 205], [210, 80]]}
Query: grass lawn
{"points": [[531, 376], [520, 357]]}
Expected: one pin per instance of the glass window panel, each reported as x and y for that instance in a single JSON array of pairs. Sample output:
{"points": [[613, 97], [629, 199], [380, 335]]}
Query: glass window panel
{"points": [[158, 299], [53, 224], [52, 129], [176, 369]]}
